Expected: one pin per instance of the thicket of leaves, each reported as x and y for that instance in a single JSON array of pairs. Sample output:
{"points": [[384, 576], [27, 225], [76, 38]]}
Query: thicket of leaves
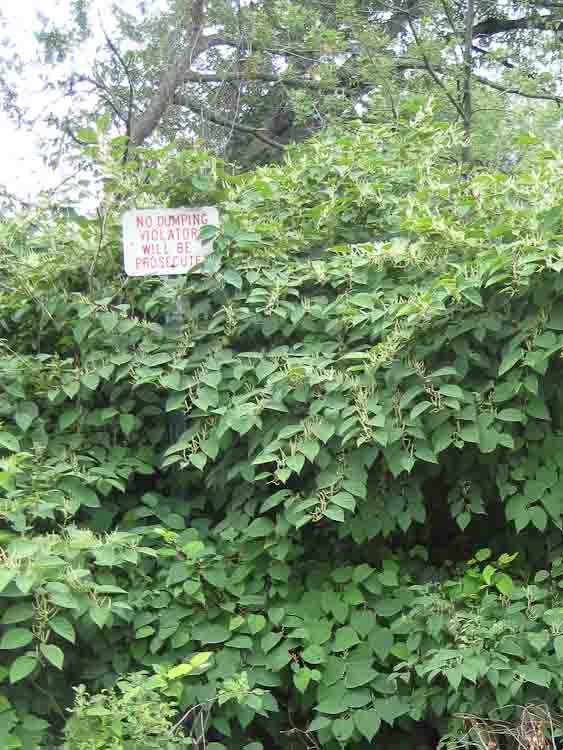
{"points": [[339, 471]]}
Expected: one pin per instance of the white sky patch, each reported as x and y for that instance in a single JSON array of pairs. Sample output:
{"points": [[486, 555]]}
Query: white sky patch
{"points": [[22, 171]]}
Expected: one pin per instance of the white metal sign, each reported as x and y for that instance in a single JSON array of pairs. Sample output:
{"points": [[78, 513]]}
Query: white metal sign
{"points": [[158, 241]]}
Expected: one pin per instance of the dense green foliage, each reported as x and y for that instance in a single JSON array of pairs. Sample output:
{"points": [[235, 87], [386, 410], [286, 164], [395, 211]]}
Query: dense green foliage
{"points": [[251, 77], [337, 483]]}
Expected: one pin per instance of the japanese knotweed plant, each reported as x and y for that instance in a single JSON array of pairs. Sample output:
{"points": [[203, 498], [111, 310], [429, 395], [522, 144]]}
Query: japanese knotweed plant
{"points": [[364, 391]]}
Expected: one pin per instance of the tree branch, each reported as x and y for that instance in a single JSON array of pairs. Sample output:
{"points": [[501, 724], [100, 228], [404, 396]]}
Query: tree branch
{"points": [[429, 67], [492, 26], [517, 92], [467, 75], [195, 77], [201, 109], [172, 78], [129, 117]]}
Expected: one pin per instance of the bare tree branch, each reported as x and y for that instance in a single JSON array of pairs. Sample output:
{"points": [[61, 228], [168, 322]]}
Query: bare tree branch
{"points": [[120, 58], [195, 77], [493, 26], [517, 92], [201, 109]]}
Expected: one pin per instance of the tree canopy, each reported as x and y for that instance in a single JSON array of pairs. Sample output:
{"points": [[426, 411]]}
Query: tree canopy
{"points": [[252, 77]]}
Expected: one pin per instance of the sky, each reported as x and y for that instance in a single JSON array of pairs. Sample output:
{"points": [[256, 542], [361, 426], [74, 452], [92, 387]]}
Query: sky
{"points": [[22, 171], [21, 167]]}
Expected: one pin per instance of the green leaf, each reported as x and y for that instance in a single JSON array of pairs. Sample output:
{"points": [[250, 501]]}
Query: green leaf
{"points": [[17, 613], [452, 391], [381, 641], [91, 381], [363, 622], [336, 701], [419, 409], [367, 723], [314, 655], [53, 654], [511, 415], [345, 638], [127, 422], [26, 414], [509, 360], [538, 517], [536, 675], [210, 633], [310, 449], [270, 640], [80, 492], [504, 583], [334, 512], [61, 626], [319, 723], [199, 460], [10, 442], [100, 615], [6, 576], [260, 528], [388, 607], [16, 638], [256, 623], [295, 463], [240, 641], [68, 418], [323, 430], [390, 709], [301, 679], [182, 670], [87, 135], [342, 730], [359, 674], [22, 667]]}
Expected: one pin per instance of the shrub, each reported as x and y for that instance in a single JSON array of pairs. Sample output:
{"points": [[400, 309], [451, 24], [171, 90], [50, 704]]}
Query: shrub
{"points": [[130, 716], [360, 516]]}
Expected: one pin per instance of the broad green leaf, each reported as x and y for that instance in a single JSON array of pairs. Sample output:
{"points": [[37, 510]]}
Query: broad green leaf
{"points": [[359, 674], [343, 729], [301, 679], [10, 442], [336, 701], [26, 414], [323, 430], [345, 638], [259, 528], [68, 418], [127, 423], [100, 615], [210, 633], [367, 723], [53, 654], [17, 613], [535, 674], [509, 360], [22, 667], [16, 638], [314, 655], [80, 492], [61, 626]]}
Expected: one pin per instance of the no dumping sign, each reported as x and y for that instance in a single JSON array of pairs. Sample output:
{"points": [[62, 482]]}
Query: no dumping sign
{"points": [[161, 241]]}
